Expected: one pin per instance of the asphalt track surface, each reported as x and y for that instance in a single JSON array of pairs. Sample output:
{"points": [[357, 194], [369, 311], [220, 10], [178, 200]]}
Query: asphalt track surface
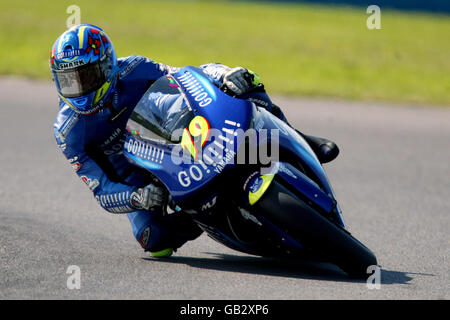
{"points": [[392, 180]]}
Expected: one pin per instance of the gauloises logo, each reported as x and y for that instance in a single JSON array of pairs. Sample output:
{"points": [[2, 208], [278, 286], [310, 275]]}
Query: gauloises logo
{"points": [[144, 150], [69, 53], [200, 90]]}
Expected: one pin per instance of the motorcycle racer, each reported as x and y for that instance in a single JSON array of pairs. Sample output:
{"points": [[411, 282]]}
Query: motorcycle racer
{"points": [[97, 93]]}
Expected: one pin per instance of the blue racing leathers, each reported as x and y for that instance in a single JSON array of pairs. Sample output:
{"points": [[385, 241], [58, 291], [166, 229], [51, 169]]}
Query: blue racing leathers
{"points": [[93, 145]]}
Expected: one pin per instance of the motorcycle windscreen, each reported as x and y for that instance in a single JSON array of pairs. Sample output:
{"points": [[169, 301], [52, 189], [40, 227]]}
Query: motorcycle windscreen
{"points": [[161, 114]]}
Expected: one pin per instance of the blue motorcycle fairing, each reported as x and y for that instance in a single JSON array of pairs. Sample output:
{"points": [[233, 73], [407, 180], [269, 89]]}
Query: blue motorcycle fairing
{"points": [[221, 237], [182, 175], [280, 234], [305, 185], [294, 142], [222, 111], [308, 187]]}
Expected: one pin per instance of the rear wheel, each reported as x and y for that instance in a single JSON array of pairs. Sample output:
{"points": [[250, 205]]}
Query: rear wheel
{"points": [[315, 232]]}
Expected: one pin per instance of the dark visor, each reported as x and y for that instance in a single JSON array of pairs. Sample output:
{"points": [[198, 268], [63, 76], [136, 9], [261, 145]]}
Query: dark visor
{"points": [[80, 81]]}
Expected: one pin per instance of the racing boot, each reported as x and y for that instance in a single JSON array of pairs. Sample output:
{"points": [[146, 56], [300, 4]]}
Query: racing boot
{"points": [[326, 150], [171, 232], [162, 253]]}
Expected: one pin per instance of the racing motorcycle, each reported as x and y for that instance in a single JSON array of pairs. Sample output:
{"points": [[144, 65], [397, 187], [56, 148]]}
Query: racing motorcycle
{"points": [[194, 139]]}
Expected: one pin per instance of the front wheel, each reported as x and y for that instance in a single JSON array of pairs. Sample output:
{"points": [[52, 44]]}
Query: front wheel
{"points": [[315, 232]]}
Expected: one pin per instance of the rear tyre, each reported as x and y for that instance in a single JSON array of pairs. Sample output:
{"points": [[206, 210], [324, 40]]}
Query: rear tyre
{"points": [[315, 232]]}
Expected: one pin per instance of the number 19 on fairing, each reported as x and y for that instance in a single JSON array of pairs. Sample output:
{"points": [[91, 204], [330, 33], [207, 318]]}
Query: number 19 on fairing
{"points": [[198, 127]]}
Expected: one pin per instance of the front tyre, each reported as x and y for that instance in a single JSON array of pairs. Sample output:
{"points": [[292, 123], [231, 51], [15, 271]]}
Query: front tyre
{"points": [[315, 232]]}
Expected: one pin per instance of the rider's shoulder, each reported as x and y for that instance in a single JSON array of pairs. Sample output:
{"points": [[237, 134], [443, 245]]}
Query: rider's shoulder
{"points": [[66, 120], [136, 66]]}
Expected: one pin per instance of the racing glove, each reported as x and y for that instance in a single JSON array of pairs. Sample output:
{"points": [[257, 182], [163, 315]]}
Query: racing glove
{"points": [[149, 197], [239, 80]]}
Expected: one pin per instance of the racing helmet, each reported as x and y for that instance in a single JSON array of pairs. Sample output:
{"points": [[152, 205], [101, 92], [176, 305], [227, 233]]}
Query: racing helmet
{"points": [[84, 67]]}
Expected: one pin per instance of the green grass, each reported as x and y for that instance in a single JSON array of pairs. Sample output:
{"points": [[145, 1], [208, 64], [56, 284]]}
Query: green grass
{"points": [[296, 49]]}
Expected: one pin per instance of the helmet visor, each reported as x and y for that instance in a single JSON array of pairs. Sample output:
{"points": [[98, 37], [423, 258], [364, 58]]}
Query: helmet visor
{"points": [[79, 81]]}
